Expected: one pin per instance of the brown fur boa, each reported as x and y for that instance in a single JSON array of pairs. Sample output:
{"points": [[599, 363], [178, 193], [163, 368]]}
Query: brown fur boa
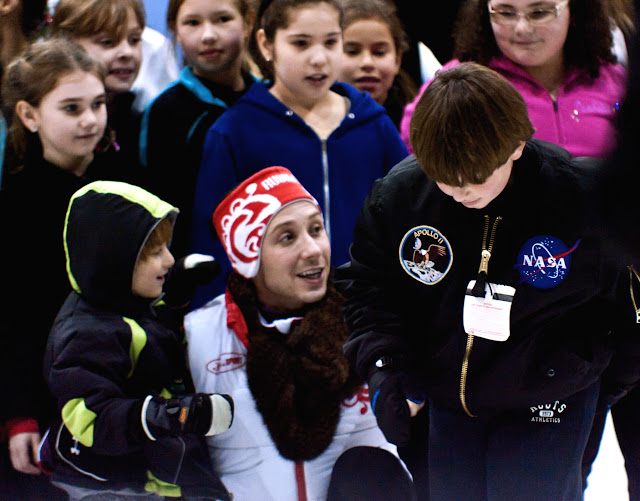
{"points": [[300, 379]]}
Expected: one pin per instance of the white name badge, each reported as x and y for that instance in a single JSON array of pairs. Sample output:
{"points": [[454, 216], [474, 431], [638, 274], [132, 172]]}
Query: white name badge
{"points": [[488, 316]]}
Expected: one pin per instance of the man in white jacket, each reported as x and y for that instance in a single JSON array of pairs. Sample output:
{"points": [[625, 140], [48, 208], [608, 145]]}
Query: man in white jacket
{"points": [[274, 341]]}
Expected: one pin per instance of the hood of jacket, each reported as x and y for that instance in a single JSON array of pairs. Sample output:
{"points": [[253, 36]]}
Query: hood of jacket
{"points": [[362, 107], [106, 226]]}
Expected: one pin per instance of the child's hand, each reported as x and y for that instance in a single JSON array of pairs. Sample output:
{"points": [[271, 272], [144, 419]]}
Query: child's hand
{"points": [[22, 448], [201, 414]]}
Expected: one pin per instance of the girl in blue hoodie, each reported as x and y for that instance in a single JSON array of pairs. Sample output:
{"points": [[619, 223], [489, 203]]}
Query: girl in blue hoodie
{"points": [[333, 138]]}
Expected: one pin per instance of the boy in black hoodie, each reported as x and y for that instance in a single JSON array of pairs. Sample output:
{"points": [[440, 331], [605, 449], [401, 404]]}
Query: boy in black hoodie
{"points": [[128, 421]]}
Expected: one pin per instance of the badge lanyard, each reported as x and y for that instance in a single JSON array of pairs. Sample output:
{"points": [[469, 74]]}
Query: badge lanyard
{"points": [[487, 306]]}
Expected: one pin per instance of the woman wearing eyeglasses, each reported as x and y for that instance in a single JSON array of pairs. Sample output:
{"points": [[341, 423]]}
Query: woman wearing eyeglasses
{"points": [[558, 55]]}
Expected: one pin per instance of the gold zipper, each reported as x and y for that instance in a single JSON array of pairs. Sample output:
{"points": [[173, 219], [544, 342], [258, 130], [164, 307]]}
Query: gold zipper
{"points": [[484, 269], [632, 272], [486, 249], [463, 375]]}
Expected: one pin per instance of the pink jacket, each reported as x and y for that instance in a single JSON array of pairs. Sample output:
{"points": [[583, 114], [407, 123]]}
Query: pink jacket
{"points": [[581, 119]]}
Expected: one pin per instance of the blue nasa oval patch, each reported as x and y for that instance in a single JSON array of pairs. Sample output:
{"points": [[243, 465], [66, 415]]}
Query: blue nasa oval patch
{"points": [[425, 254], [544, 261]]}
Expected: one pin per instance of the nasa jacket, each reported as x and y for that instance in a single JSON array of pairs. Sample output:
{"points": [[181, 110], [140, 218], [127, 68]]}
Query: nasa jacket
{"points": [[107, 351], [416, 250]]}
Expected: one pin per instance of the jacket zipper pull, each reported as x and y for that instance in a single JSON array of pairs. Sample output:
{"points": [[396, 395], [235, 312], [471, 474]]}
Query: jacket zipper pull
{"points": [[483, 270]]}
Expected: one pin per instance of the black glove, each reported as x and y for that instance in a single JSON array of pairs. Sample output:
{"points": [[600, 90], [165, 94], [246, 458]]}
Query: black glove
{"points": [[188, 273], [389, 390], [201, 414]]}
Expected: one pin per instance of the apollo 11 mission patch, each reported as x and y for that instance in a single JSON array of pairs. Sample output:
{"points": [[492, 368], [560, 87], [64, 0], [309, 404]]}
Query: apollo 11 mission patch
{"points": [[425, 254]]}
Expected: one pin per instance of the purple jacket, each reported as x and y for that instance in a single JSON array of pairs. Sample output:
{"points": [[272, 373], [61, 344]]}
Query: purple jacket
{"points": [[582, 117]]}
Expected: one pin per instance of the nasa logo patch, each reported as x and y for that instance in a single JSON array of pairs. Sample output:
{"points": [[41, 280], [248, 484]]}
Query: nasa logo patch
{"points": [[544, 261], [425, 254]]}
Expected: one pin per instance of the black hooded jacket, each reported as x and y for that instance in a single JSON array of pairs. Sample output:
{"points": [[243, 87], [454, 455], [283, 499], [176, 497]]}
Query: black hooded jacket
{"points": [[107, 350]]}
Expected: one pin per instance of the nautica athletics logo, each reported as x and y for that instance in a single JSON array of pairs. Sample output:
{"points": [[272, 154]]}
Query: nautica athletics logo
{"points": [[425, 254], [547, 413]]}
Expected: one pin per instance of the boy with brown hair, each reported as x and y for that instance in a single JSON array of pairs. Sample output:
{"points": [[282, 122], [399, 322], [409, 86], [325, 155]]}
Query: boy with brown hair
{"points": [[129, 421], [516, 323], [460, 141]]}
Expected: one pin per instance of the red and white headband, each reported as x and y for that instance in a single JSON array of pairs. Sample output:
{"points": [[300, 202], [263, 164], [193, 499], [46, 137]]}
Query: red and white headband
{"points": [[241, 219]]}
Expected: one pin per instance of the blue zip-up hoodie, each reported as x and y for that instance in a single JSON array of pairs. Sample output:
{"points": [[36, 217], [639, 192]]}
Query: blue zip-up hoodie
{"points": [[260, 131]]}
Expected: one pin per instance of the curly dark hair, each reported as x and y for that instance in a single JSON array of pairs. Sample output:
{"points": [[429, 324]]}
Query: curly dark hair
{"points": [[588, 45]]}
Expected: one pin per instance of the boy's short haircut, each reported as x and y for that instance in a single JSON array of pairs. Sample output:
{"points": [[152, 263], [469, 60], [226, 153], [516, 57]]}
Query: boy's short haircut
{"points": [[161, 234], [467, 123], [82, 18]]}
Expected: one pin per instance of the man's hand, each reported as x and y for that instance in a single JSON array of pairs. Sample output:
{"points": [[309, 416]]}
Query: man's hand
{"points": [[22, 448]]}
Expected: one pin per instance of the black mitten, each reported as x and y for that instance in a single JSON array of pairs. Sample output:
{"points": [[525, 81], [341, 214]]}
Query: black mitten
{"points": [[201, 414], [389, 391], [188, 273]]}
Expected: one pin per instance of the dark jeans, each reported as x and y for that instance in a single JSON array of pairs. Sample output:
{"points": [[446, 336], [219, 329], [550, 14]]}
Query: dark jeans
{"points": [[626, 420], [520, 455]]}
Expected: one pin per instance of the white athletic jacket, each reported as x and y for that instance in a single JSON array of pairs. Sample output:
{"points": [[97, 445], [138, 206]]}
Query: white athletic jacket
{"points": [[244, 456]]}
